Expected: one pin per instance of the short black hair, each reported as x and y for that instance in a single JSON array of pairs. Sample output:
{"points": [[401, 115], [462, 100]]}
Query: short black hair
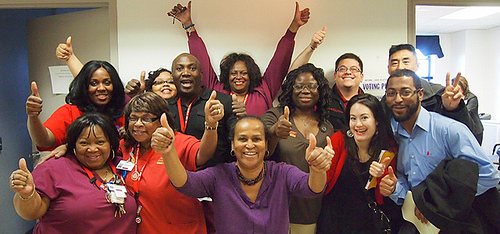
{"points": [[408, 73], [233, 127], [152, 77], [91, 120], [349, 56], [396, 48]]}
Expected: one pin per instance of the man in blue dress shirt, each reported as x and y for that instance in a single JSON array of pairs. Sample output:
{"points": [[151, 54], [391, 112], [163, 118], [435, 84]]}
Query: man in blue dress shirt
{"points": [[425, 139]]}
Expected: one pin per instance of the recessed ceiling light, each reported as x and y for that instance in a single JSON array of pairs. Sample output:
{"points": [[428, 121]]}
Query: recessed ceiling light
{"points": [[472, 13]]}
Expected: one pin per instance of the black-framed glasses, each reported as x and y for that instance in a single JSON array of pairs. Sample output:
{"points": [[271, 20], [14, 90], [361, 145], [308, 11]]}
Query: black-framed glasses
{"points": [[144, 120], [405, 93], [310, 87], [160, 82], [344, 69]]}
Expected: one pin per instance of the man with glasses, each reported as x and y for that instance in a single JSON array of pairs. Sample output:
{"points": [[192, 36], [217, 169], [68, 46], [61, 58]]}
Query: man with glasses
{"points": [[425, 139], [435, 99], [348, 76]]}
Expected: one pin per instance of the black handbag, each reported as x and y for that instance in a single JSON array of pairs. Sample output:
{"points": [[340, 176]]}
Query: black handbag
{"points": [[380, 219]]}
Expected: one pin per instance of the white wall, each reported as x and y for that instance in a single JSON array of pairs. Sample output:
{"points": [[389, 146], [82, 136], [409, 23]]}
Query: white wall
{"points": [[147, 39], [475, 54]]}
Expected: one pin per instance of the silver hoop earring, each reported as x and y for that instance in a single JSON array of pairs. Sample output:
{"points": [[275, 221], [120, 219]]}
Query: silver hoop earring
{"points": [[267, 154], [74, 151], [112, 150], [232, 153], [349, 133]]}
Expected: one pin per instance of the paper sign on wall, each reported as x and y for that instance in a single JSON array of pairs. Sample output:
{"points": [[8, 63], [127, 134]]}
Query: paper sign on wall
{"points": [[60, 77]]}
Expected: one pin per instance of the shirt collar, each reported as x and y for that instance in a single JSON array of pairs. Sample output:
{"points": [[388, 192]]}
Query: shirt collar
{"points": [[423, 122]]}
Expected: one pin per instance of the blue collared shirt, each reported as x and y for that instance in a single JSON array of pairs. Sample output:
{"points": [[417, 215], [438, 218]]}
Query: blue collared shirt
{"points": [[434, 138]]}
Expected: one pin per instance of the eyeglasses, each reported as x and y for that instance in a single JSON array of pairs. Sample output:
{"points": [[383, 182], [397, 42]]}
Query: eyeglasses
{"points": [[405, 93], [144, 120], [310, 87], [344, 69], [160, 82]]}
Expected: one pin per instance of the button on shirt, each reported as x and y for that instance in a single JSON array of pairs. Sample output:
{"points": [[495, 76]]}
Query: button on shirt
{"points": [[434, 138]]}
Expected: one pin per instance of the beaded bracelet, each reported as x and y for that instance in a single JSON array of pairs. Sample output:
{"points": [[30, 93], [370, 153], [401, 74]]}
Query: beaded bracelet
{"points": [[29, 197]]}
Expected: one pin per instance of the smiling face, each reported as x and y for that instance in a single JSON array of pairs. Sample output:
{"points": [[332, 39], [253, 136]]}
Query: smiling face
{"points": [[403, 59], [304, 96], [187, 75], [249, 144], [141, 126], [351, 77], [164, 86], [100, 87], [403, 109], [362, 123], [92, 147], [238, 78]]}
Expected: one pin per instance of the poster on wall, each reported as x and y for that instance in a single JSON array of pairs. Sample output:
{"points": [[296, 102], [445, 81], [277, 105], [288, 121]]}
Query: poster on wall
{"points": [[374, 86]]}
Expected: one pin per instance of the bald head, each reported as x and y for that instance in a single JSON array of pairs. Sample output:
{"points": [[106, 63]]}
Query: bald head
{"points": [[186, 71]]}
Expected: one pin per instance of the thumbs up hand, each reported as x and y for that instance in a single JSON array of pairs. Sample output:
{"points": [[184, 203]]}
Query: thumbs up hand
{"points": [[214, 110], [319, 159], [388, 183], [135, 86], [21, 180], [34, 102], [283, 126], [239, 108], [318, 38], [377, 169], [163, 138], [64, 50]]}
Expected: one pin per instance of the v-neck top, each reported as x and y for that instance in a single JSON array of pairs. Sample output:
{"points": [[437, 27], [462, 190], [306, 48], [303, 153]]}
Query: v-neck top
{"points": [[234, 210]]}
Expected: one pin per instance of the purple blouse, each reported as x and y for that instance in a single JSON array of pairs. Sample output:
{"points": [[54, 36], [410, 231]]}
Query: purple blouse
{"points": [[76, 205], [261, 98], [235, 212]]}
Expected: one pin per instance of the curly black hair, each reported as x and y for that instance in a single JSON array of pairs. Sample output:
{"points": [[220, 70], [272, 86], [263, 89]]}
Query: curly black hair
{"points": [[152, 77], [325, 99], [78, 90], [253, 70]]}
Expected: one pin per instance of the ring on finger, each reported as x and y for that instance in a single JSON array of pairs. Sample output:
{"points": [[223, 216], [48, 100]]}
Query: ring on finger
{"points": [[12, 184]]}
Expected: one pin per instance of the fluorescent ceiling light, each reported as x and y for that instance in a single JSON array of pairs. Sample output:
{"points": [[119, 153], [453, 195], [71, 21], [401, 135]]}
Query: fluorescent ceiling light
{"points": [[472, 13]]}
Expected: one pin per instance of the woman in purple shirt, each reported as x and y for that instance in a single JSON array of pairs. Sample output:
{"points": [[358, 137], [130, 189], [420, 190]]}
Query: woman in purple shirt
{"points": [[250, 195], [79, 193], [240, 75]]}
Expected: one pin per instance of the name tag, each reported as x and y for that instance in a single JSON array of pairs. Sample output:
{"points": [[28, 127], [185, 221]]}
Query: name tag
{"points": [[125, 165]]}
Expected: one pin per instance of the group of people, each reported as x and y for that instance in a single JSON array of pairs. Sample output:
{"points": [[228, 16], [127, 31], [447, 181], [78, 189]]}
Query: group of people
{"points": [[135, 158]]}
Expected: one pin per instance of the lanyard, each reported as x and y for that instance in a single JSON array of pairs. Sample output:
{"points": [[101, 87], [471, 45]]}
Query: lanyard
{"points": [[181, 117], [92, 178], [137, 175], [244, 100]]}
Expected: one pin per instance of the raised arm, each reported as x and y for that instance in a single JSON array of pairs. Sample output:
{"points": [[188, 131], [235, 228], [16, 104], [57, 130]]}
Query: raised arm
{"points": [[197, 46], [214, 111], [162, 142], [64, 51], [306, 54], [39, 134], [27, 201], [319, 161], [280, 63]]}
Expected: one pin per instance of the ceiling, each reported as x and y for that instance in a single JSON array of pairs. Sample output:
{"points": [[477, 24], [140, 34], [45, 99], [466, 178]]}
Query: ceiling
{"points": [[428, 21]]}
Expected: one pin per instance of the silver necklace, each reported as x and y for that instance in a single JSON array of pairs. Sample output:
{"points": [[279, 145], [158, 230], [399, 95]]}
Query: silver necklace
{"points": [[305, 122]]}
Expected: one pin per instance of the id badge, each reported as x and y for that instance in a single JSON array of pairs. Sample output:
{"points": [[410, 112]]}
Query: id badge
{"points": [[125, 165]]}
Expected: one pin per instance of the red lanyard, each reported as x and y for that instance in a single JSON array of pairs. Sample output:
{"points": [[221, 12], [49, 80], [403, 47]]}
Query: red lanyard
{"points": [[181, 117], [137, 175], [92, 178], [244, 100]]}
